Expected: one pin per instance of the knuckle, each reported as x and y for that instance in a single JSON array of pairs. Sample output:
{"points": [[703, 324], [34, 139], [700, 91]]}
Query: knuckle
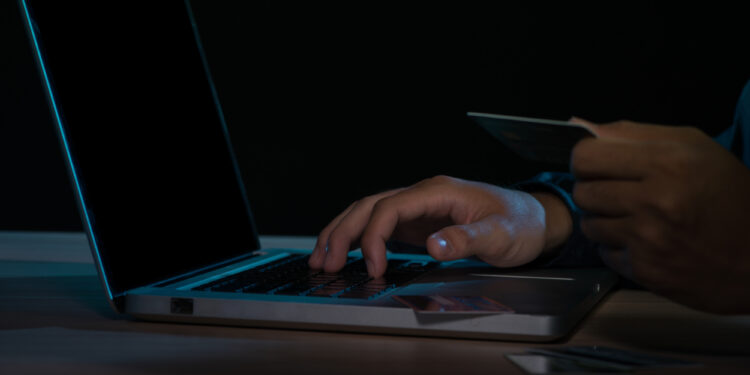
{"points": [[366, 201], [694, 132], [442, 180], [381, 205], [671, 208], [370, 203], [666, 204], [621, 124], [673, 161], [649, 235]]}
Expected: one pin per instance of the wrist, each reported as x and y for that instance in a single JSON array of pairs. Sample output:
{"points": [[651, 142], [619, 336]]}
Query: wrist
{"points": [[558, 223]]}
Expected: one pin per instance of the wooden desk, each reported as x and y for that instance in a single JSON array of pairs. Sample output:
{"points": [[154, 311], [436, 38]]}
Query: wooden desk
{"points": [[54, 319]]}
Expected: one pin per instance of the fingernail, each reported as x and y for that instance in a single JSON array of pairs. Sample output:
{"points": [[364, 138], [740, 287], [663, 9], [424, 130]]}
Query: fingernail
{"points": [[444, 245], [319, 253]]}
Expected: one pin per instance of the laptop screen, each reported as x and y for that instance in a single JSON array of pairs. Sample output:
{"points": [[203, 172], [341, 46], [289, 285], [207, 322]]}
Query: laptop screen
{"points": [[141, 127]]}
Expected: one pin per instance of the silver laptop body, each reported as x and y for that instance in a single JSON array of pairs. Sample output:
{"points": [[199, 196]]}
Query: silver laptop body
{"points": [[167, 216]]}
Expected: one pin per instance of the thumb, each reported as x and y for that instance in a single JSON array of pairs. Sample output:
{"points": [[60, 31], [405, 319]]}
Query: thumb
{"points": [[580, 121], [486, 236]]}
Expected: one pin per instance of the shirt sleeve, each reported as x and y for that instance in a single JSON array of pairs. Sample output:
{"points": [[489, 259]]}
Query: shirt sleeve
{"points": [[736, 138], [578, 251]]}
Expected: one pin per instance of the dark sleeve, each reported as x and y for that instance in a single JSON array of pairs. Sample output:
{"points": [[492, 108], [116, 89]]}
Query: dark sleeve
{"points": [[578, 251], [737, 137]]}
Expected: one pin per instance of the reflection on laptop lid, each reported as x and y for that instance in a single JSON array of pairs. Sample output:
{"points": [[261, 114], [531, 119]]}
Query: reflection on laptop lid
{"points": [[169, 224]]}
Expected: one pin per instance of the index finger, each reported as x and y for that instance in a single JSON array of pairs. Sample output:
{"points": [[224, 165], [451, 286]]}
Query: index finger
{"points": [[337, 238], [637, 131], [609, 159], [407, 205]]}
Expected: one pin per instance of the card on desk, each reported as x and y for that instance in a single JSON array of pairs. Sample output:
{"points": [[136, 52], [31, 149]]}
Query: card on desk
{"points": [[542, 140], [589, 360], [436, 304]]}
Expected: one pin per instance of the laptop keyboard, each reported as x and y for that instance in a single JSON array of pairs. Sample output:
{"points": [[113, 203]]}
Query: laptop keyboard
{"points": [[293, 277]]}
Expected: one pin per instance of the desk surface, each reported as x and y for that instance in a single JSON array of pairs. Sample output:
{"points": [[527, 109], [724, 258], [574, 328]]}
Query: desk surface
{"points": [[54, 319]]}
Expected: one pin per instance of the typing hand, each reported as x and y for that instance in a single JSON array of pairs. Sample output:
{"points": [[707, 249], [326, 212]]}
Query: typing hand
{"points": [[453, 218], [671, 207]]}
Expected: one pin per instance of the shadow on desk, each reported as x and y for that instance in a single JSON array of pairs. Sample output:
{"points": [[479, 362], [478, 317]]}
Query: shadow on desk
{"points": [[78, 302], [640, 319], [66, 301], [684, 334], [49, 323]]}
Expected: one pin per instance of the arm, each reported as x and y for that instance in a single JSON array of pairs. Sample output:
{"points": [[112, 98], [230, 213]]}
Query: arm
{"points": [[453, 218], [579, 250]]}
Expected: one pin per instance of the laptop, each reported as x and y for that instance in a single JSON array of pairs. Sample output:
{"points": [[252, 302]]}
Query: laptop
{"points": [[169, 223]]}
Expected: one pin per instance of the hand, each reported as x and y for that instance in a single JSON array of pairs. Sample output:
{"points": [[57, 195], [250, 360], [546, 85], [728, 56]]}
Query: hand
{"points": [[671, 208], [453, 218]]}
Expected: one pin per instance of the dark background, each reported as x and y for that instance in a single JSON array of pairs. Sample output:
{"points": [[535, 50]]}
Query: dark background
{"points": [[328, 103]]}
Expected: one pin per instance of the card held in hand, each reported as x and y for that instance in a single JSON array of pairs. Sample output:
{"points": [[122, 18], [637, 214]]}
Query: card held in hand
{"points": [[548, 141]]}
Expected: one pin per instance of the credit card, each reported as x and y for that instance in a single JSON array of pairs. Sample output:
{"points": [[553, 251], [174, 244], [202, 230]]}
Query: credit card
{"points": [[613, 355], [589, 360], [548, 141], [543, 364], [453, 304]]}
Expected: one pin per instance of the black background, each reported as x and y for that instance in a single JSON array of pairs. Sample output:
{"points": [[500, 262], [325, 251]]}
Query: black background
{"points": [[327, 103]]}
